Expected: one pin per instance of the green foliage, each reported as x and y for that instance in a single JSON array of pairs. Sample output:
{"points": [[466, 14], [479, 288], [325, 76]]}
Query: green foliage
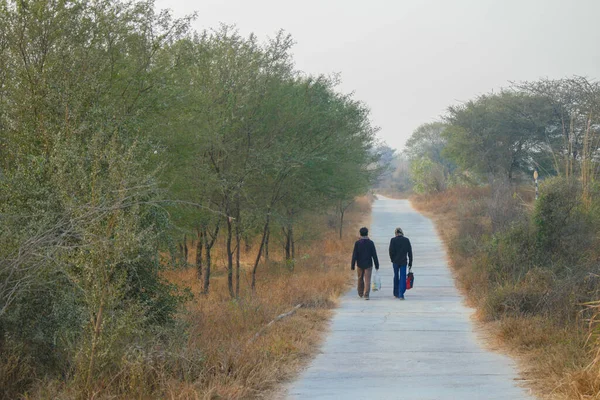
{"points": [[572, 109], [120, 131], [427, 175], [430, 170], [257, 143], [429, 141], [81, 214], [498, 134], [562, 221], [554, 209], [547, 125], [543, 263]]}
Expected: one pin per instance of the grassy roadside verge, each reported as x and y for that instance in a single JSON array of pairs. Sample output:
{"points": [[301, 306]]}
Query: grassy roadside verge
{"points": [[224, 348], [238, 364], [532, 306]]}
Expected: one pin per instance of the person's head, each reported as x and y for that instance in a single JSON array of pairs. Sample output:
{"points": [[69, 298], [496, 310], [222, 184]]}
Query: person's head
{"points": [[399, 232], [364, 232]]}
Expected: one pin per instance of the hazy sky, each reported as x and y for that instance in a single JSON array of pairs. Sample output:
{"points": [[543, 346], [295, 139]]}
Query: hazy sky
{"points": [[409, 60]]}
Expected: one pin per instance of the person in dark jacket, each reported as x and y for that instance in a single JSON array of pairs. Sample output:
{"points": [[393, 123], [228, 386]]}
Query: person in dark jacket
{"points": [[364, 255], [400, 255]]}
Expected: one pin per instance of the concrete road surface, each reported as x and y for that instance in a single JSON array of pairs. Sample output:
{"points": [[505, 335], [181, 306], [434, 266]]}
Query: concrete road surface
{"points": [[421, 348]]}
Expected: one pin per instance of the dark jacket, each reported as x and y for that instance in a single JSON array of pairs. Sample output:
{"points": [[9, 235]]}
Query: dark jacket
{"points": [[364, 254], [400, 249]]}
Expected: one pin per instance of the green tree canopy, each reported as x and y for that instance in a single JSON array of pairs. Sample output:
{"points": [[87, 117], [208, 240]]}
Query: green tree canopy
{"points": [[497, 134]]}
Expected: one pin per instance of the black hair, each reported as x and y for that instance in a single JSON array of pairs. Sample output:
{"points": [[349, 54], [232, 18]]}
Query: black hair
{"points": [[364, 231]]}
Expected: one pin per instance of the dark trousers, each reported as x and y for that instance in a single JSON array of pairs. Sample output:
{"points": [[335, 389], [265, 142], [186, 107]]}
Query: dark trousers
{"points": [[364, 281], [399, 280]]}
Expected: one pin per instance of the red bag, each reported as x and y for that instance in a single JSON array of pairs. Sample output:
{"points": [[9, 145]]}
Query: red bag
{"points": [[410, 280]]}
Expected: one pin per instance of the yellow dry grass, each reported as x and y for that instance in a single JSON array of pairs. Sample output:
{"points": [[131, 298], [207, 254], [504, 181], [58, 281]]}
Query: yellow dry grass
{"points": [[553, 359], [235, 363], [215, 352]]}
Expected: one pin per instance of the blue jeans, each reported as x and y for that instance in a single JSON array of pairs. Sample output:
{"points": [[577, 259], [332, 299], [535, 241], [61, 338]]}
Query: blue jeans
{"points": [[399, 281]]}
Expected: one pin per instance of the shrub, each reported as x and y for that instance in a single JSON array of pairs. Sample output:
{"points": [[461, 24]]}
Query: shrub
{"points": [[471, 227], [511, 253], [532, 273], [504, 207], [560, 218], [428, 176]]}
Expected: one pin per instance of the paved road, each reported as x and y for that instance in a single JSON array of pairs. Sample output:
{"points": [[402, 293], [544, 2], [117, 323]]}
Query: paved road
{"points": [[421, 348]]}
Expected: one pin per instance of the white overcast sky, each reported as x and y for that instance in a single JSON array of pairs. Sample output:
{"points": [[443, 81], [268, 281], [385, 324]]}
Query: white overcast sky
{"points": [[410, 59]]}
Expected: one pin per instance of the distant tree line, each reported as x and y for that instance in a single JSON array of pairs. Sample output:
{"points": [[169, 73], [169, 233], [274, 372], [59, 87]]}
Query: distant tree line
{"points": [[552, 126], [123, 133], [526, 262]]}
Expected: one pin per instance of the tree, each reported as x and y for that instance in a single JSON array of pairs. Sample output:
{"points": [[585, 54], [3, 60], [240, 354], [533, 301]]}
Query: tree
{"points": [[81, 211], [572, 135], [496, 134], [428, 141], [122, 133], [427, 176], [387, 157], [430, 169]]}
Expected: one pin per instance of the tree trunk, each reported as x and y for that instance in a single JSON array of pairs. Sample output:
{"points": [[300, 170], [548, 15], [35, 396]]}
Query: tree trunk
{"points": [[291, 234], [173, 254], [342, 209], [95, 339], [237, 254], [287, 244], [207, 271], [199, 254], [267, 245], [292, 242], [208, 244], [230, 257], [185, 250], [260, 249], [247, 244], [208, 260]]}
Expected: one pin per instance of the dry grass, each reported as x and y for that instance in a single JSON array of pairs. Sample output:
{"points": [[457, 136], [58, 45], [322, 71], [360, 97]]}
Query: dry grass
{"points": [[445, 210], [551, 357], [213, 351], [236, 366], [14, 373], [554, 357]]}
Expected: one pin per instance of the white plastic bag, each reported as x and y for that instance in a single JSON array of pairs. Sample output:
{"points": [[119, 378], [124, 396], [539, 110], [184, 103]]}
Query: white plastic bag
{"points": [[376, 284]]}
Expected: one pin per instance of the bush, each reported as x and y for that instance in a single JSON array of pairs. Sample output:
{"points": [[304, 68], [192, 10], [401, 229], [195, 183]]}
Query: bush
{"points": [[562, 222], [504, 207], [532, 273], [511, 253], [427, 176], [472, 227], [16, 370]]}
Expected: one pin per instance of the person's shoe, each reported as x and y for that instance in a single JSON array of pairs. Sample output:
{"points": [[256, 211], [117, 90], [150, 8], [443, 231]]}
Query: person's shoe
{"points": [[360, 296], [401, 298], [367, 297]]}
